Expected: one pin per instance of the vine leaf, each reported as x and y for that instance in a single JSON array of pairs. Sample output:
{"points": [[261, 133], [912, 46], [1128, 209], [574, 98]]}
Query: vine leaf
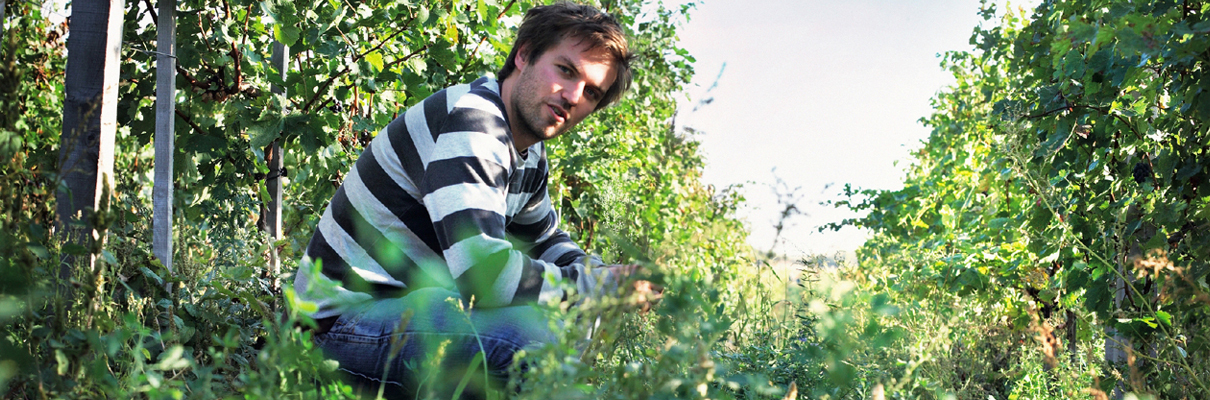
{"points": [[265, 131], [1053, 143]]}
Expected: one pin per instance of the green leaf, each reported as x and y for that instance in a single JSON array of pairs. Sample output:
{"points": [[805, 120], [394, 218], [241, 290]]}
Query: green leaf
{"points": [[62, 363], [334, 19], [422, 15], [475, 363], [285, 18], [1189, 169], [1073, 65], [287, 35], [418, 66], [1078, 276], [38, 250], [265, 131], [1083, 32], [451, 33], [999, 223], [1158, 241], [173, 359], [74, 249], [1099, 296], [1101, 60], [302, 306], [1054, 142], [1164, 317], [1040, 218], [152, 275], [441, 52], [1007, 110], [375, 59], [205, 144]]}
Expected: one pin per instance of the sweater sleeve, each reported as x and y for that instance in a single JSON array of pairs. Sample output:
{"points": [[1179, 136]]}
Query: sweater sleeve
{"points": [[536, 225], [464, 190]]}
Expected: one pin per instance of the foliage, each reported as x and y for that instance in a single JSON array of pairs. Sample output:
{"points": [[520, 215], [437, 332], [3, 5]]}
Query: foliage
{"points": [[350, 69], [1070, 149], [1064, 183], [31, 73]]}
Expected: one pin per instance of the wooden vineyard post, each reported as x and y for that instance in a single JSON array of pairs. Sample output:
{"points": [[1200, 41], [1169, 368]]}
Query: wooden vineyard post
{"points": [[1117, 345], [89, 125], [165, 136], [1115, 342], [274, 158], [3, 32]]}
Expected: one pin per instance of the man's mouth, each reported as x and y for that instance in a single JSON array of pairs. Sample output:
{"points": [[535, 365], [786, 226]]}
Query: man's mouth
{"points": [[559, 113]]}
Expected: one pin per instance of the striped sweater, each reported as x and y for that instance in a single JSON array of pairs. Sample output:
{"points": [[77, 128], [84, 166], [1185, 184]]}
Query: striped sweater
{"points": [[441, 197]]}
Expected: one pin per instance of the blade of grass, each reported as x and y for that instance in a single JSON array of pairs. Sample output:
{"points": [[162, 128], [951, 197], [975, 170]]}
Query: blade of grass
{"points": [[470, 371]]}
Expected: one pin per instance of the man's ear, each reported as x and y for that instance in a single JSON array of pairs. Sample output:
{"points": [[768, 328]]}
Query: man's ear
{"points": [[520, 60]]}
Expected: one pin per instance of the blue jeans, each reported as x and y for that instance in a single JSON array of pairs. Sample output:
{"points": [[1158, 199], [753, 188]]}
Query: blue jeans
{"points": [[439, 343]]}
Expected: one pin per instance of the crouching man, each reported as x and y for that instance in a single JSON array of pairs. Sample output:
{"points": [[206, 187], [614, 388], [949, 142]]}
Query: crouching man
{"points": [[450, 201]]}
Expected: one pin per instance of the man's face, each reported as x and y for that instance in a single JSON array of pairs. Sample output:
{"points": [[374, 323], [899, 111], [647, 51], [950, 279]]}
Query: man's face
{"points": [[558, 89]]}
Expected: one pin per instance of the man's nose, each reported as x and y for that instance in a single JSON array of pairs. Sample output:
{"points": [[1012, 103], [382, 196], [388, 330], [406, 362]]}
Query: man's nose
{"points": [[573, 92]]}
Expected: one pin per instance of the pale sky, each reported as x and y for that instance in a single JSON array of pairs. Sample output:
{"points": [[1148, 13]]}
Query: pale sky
{"points": [[826, 92]]}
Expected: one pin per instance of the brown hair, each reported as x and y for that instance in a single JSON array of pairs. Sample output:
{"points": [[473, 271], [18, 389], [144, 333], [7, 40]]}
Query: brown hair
{"points": [[545, 26]]}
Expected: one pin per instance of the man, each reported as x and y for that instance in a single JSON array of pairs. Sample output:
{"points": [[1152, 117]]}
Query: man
{"points": [[450, 202]]}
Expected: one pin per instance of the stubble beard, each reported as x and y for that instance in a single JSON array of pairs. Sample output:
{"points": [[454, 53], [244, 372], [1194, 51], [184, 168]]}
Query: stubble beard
{"points": [[532, 114]]}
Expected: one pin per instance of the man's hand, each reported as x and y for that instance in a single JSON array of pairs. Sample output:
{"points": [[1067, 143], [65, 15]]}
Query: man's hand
{"points": [[639, 293]]}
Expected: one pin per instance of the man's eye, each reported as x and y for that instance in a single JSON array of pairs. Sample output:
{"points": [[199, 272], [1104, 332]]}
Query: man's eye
{"points": [[564, 70]]}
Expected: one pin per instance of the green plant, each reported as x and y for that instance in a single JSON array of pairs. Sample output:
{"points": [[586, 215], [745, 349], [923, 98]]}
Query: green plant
{"points": [[1070, 148], [214, 325]]}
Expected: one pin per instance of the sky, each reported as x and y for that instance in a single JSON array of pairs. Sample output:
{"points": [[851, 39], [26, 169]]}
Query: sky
{"points": [[815, 94]]}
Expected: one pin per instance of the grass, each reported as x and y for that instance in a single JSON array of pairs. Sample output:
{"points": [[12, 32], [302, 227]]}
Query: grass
{"points": [[747, 330]]}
